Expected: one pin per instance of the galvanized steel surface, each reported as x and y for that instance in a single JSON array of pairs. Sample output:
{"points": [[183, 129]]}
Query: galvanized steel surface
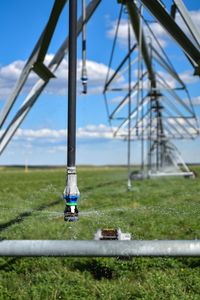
{"points": [[88, 248]]}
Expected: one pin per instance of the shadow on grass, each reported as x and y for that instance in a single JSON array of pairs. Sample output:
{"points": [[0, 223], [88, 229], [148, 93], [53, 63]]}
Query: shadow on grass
{"points": [[100, 185], [96, 269], [9, 264], [192, 263], [21, 217]]}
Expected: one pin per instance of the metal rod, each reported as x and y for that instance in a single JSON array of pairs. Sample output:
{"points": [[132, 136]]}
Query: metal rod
{"points": [[167, 67], [119, 75], [119, 68], [84, 69], [158, 43], [125, 99], [174, 94], [188, 20], [162, 174], [186, 119], [142, 125], [37, 55], [114, 44], [129, 108], [77, 248], [133, 113], [71, 192], [134, 17], [72, 63]]}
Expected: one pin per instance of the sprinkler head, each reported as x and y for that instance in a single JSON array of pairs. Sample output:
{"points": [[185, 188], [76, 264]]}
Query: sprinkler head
{"points": [[84, 89], [71, 213], [71, 195], [71, 210], [84, 83]]}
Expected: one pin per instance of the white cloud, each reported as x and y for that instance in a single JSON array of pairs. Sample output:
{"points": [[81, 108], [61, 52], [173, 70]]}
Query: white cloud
{"points": [[40, 133], [9, 75], [188, 78], [195, 101], [160, 33], [51, 135], [97, 72], [195, 16]]}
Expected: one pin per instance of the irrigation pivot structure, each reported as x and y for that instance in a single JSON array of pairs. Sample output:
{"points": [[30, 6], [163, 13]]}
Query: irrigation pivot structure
{"points": [[71, 192], [159, 113], [155, 120], [38, 88]]}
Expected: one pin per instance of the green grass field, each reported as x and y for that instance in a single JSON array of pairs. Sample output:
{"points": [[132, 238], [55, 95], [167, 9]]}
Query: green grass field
{"points": [[32, 208]]}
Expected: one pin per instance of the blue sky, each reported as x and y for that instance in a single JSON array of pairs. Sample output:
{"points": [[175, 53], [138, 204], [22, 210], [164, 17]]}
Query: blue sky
{"points": [[41, 138]]}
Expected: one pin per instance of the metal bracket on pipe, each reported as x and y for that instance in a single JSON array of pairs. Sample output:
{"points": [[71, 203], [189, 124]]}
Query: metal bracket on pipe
{"points": [[42, 71], [111, 234], [197, 69]]}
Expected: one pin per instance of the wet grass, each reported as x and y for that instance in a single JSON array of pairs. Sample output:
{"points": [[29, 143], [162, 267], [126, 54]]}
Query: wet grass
{"points": [[31, 208]]}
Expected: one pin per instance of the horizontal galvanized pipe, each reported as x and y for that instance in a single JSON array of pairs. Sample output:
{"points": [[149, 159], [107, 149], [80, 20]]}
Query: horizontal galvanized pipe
{"points": [[84, 248], [162, 174]]}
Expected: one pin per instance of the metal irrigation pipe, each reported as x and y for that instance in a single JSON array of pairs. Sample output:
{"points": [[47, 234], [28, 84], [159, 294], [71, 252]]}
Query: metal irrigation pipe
{"points": [[72, 62], [81, 248]]}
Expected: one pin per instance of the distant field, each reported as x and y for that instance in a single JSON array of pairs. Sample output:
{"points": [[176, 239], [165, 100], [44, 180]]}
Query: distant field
{"points": [[32, 208]]}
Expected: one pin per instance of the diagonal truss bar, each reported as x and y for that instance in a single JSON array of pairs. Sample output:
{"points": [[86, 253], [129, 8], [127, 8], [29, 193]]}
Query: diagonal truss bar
{"points": [[160, 13], [125, 99], [119, 68], [157, 42], [139, 34], [35, 61], [40, 85], [134, 18], [179, 124], [50, 28], [174, 94], [117, 76], [173, 127], [180, 135], [188, 20], [141, 119], [166, 66], [133, 114], [187, 119], [148, 124]]}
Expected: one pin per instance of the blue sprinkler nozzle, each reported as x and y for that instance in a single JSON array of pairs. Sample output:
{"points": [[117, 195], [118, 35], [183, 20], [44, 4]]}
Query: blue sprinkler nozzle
{"points": [[84, 80], [71, 209]]}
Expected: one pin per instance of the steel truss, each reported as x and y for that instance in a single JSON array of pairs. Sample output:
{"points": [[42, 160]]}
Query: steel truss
{"points": [[36, 91], [150, 119], [159, 115]]}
